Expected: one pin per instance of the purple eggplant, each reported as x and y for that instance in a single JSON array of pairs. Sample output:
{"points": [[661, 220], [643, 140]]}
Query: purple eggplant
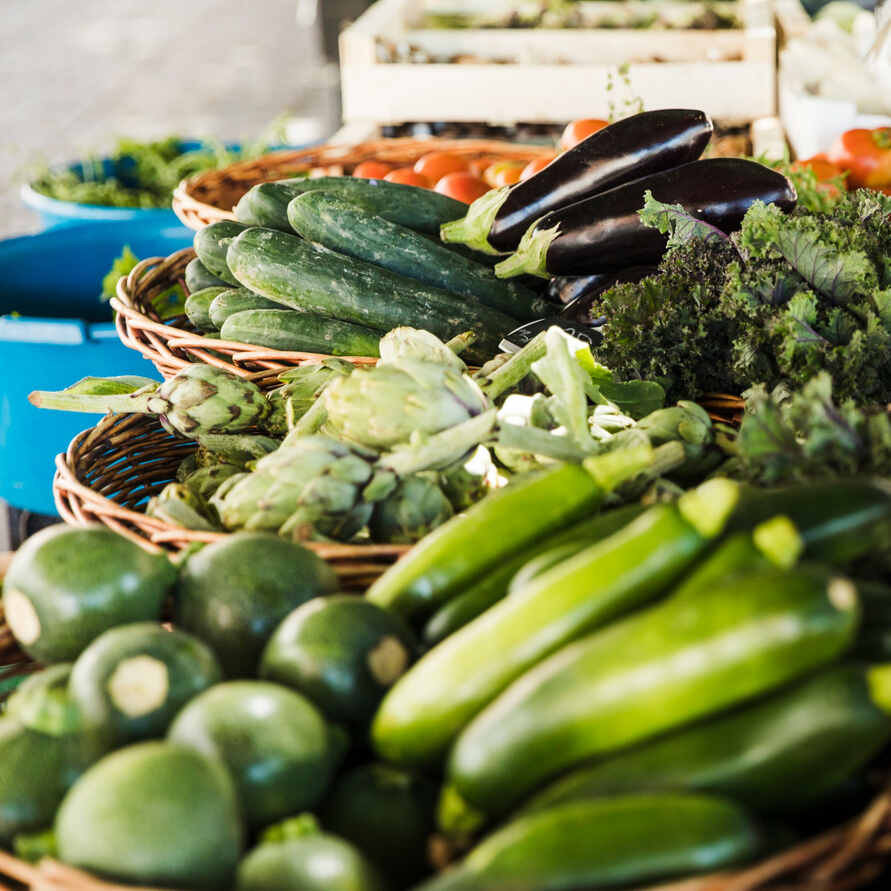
{"points": [[588, 288], [605, 232], [628, 149]]}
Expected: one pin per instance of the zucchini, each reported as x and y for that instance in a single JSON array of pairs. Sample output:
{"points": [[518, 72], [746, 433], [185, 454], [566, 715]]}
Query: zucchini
{"points": [[521, 568], [42, 702], [388, 814], [313, 279], [66, 585], [198, 277], [132, 680], [274, 742], [777, 756], [198, 307], [423, 210], [428, 707], [211, 244], [233, 300], [233, 593], [668, 666], [341, 652], [604, 843], [352, 230], [286, 329], [153, 814]]}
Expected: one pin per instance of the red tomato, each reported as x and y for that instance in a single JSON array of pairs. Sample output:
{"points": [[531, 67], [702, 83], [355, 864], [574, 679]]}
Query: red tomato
{"points": [[576, 131], [824, 170], [479, 166], [503, 173], [372, 170], [866, 155], [407, 177], [462, 187], [534, 166], [436, 165]]}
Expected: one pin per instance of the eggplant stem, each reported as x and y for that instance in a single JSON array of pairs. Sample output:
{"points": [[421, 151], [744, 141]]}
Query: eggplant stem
{"points": [[779, 541], [473, 228], [531, 257]]}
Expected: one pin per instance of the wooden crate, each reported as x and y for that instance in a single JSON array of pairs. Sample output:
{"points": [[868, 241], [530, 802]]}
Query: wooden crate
{"points": [[554, 74]]}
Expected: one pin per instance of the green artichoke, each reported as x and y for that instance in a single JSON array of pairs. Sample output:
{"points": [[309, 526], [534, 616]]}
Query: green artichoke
{"points": [[301, 387], [205, 481], [415, 507], [176, 503], [383, 406]]}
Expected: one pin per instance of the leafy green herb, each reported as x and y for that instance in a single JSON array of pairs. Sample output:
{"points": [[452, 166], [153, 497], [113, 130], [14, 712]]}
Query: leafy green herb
{"points": [[676, 222], [121, 268]]}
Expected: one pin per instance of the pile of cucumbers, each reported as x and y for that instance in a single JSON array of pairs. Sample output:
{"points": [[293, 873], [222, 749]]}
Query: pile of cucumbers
{"points": [[549, 692], [327, 265]]}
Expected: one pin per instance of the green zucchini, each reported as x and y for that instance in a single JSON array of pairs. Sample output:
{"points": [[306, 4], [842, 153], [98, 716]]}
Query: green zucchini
{"points": [[233, 594], [274, 742], [516, 571], [388, 814], [668, 666], [351, 229], [778, 755], [287, 329], [212, 243], [313, 279], [341, 652], [133, 679], [198, 307], [42, 702], [153, 814], [67, 585], [423, 210], [198, 277], [431, 704], [233, 300], [469, 545], [604, 843]]}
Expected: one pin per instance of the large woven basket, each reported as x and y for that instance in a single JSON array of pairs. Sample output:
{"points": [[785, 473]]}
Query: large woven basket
{"points": [[210, 197], [111, 469]]}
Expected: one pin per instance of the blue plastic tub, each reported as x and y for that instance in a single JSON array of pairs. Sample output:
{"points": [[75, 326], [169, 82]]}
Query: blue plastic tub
{"points": [[54, 330]]}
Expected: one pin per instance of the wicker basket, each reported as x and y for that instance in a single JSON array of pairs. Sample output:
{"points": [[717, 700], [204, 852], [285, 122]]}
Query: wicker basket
{"points": [[210, 197], [110, 470]]}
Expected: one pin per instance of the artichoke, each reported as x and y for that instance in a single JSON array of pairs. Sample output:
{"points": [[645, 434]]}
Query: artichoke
{"points": [[415, 507], [205, 481], [301, 387], [383, 406], [176, 503]]}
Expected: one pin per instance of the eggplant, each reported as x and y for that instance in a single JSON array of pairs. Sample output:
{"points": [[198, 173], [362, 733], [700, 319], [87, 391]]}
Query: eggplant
{"points": [[605, 232], [631, 148], [587, 288]]}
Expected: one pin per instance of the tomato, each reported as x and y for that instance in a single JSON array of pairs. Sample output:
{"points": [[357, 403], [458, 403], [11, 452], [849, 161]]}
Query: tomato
{"points": [[462, 187], [866, 155], [372, 170], [503, 173], [534, 166], [576, 131], [407, 177], [825, 171], [436, 165], [479, 166]]}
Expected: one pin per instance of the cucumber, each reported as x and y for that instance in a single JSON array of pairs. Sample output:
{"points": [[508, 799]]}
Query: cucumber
{"points": [[352, 230], [198, 277], [233, 594], [341, 652], [233, 300], [516, 571], [668, 666], [286, 329], [388, 814], [313, 279], [198, 307], [275, 744], [777, 756], [428, 707], [133, 679], [423, 210], [604, 843], [315, 862], [65, 586], [212, 243], [153, 813]]}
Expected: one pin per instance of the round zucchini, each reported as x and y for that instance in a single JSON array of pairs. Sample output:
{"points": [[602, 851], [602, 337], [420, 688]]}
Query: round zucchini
{"points": [[153, 813], [343, 652], [132, 680], [275, 744], [66, 586], [233, 593], [389, 815]]}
